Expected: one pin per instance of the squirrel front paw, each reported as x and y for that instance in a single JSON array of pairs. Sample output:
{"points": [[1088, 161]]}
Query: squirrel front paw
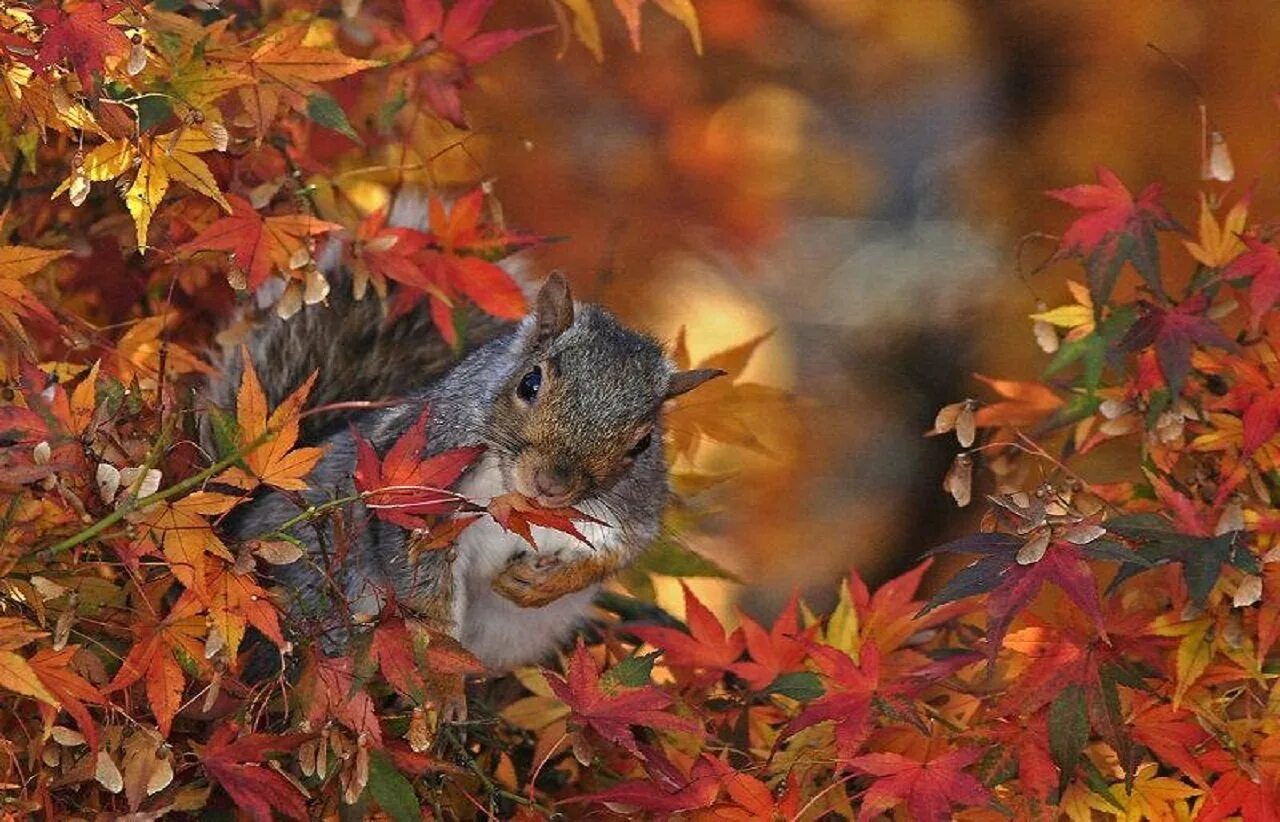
{"points": [[532, 580]]}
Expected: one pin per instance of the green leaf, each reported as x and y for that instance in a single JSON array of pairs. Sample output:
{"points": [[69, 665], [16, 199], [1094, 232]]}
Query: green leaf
{"points": [[225, 431], [393, 793], [153, 109], [801, 686], [1068, 731], [324, 110], [633, 671]]}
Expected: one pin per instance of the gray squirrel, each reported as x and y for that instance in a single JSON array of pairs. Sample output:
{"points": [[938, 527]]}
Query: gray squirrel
{"points": [[568, 404]]}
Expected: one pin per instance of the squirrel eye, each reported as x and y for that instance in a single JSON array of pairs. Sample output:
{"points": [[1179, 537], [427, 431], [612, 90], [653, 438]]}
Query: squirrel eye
{"points": [[641, 446], [529, 385]]}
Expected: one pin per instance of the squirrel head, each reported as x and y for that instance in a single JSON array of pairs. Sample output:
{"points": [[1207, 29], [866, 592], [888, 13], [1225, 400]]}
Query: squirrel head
{"points": [[583, 408]]}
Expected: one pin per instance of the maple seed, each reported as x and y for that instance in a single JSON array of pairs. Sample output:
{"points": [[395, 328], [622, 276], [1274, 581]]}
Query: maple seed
{"points": [[1034, 549], [959, 480]]}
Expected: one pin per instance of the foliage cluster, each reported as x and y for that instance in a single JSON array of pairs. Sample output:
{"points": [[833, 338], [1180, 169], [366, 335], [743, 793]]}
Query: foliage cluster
{"points": [[1109, 651]]}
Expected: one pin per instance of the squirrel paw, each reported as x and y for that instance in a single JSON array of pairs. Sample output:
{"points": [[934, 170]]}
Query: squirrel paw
{"points": [[532, 580]]}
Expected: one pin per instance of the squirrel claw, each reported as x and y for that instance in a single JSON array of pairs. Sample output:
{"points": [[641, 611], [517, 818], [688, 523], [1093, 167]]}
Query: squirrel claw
{"points": [[530, 580]]}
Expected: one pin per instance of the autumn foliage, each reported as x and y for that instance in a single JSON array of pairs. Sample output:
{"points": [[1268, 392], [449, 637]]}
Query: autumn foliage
{"points": [[1100, 647]]}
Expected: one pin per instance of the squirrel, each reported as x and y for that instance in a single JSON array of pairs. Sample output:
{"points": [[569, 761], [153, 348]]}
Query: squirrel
{"points": [[568, 404]]}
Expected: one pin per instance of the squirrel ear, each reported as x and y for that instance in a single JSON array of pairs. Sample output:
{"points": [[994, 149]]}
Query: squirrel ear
{"points": [[553, 307], [682, 382]]}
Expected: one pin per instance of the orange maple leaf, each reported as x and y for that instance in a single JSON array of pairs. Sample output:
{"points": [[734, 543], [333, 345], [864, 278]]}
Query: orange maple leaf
{"points": [[274, 461], [257, 243]]}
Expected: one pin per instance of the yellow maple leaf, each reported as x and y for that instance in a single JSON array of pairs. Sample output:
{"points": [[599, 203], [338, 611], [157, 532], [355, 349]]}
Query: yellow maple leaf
{"points": [[1195, 651], [721, 409], [1077, 316], [160, 159], [273, 461], [17, 675], [1219, 245], [17, 262], [1154, 798]]}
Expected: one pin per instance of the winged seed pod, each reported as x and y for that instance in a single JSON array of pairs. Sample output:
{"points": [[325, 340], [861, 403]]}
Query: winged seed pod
{"points": [[959, 480], [958, 417]]}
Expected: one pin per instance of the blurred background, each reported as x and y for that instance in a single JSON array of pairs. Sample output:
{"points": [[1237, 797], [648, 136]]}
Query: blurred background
{"points": [[853, 176]]}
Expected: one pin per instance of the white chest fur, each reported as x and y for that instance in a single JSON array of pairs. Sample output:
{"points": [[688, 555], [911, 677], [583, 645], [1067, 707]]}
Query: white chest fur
{"points": [[499, 632]]}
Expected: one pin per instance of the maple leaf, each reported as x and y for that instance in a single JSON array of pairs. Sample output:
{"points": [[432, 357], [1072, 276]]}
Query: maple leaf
{"points": [[772, 653], [72, 691], [404, 653], [274, 462], [233, 762], [157, 160], [257, 243], [1243, 791], [328, 690], [928, 788], [1261, 263], [1218, 246], [1117, 227], [1154, 797], [404, 487], [456, 265], [450, 44], [381, 252], [185, 535], [17, 675], [235, 601], [518, 514], [1173, 735], [152, 657], [1201, 554], [706, 647], [17, 262], [610, 709], [83, 37], [722, 409], [850, 687], [1022, 403], [681, 11], [668, 793], [1173, 332], [1011, 584], [285, 67]]}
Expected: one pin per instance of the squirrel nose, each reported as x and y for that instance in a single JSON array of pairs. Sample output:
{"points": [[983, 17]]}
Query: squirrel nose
{"points": [[551, 481]]}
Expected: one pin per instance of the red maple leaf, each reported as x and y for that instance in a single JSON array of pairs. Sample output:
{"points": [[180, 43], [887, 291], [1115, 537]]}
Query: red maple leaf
{"points": [[257, 243], [929, 788], [518, 514], [1172, 734], [82, 37], [777, 651], [1250, 792], [1173, 332], [611, 709], [73, 691], [1261, 262], [706, 647], [850, 686], [384, 252], [450, 45], [1116, 227], [1012, 585], [404, 486], [456, 264], [233, 763]]}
